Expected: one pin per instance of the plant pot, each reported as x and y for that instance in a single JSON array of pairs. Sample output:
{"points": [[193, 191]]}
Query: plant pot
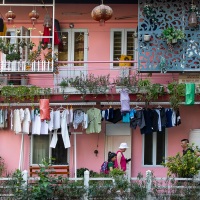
{"points": [[68, 90], [147, 38], [174, 41]]}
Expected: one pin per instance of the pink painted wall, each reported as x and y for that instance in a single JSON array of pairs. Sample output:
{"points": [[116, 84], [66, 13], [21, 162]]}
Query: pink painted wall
{"points": [[10, 145]]}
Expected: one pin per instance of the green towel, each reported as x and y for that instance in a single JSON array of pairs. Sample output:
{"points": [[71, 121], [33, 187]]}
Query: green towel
{"points": [[189, 93]]}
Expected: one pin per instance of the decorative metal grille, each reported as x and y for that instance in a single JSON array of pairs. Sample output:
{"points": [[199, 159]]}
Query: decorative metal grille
{"points": [[158, 56]]}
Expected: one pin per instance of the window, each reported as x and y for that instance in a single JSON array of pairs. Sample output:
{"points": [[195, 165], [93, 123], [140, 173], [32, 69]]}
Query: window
{"points": [[22, 31], [41, 149], [122, 43], [154, 148], [74, 47]]}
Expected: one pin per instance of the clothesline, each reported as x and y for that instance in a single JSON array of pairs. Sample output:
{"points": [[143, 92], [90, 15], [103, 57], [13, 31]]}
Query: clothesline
{"points": [[86, 104], [51, 104], [142, 103]]}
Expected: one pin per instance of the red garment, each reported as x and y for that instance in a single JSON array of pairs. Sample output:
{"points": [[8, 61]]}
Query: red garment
{"points": [[44, 109], [46, 33], [56, 36], [123, 162]]}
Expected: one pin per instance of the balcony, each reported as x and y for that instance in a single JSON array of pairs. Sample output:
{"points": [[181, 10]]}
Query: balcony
{"points": [[22, 67]]}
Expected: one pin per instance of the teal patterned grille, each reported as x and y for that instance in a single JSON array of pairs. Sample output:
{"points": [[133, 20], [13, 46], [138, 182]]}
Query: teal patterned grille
{"points": [[157, 55]]}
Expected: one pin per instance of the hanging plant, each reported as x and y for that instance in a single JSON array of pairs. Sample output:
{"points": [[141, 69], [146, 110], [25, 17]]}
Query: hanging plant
{"points": [[172, 35], [150, 12]]}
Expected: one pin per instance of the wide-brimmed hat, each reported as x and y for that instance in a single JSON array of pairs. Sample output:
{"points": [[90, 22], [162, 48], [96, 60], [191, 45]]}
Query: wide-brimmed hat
{"points": [[123, 146]]}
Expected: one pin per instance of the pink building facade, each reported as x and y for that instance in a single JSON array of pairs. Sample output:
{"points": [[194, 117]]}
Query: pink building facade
{"points": [[99, 48]]}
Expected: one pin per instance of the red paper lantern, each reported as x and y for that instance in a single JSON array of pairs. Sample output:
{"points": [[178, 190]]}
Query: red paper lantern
{"points": [[102, 13], [10, 15], [33, 15]]}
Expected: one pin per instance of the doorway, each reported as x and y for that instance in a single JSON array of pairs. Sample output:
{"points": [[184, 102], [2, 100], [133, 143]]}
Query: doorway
{"points": [[116, 134]]}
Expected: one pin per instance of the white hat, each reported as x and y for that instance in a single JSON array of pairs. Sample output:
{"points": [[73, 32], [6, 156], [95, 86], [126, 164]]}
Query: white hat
{"points": [[123, 146]]}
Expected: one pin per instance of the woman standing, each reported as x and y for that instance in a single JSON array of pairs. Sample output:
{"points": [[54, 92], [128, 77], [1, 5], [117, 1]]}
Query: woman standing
{"points": [[121, 161]]}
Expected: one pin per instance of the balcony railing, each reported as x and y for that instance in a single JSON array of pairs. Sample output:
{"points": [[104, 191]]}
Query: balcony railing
{"points": [[23, 67]]}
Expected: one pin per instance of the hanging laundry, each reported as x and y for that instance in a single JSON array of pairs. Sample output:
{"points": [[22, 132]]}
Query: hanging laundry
{"points": [[125, 100], [94, 120], [17, 123], [36, 122], [56, 119], [57, 32], [117, 116], [147, 129], [189, 93], [50, 122], [46, 33], [54, 139], [138, 120], [78, 118], [64, 129], [26, 122], [44, 128]]}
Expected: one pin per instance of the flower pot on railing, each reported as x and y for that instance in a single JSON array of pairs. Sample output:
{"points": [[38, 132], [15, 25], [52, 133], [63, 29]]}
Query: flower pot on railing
{"points": [[147, 38], [68, 90]]}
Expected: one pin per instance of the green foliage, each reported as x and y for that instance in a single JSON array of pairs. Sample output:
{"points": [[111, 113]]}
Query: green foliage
{"points": [[23, 93], [2, 166], [101, 191], [172, 33], [183, 166], [90, 83], [64, 83], [13, 56], [116, 172], [138, 188], [151, 91], [129, 82], [80, 172], [176, 92]]}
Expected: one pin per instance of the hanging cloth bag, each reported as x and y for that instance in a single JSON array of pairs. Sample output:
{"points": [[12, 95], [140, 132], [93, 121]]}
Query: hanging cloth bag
{"points": [[189, 93], [44, 109]]}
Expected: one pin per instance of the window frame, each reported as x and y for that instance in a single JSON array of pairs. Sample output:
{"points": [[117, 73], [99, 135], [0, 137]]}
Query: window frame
{"points": [[123, 42], [50, 150], [154, 148], [71, 40]]}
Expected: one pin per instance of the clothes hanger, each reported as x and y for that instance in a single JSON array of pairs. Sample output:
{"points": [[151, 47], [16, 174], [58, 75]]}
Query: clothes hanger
{"points": [[61, 108], [138, 107], [159, 106]]}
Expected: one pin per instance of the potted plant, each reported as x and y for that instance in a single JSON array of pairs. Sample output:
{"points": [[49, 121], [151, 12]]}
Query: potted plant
{"points": [[147, 37], [172, 35], [128, 82]]}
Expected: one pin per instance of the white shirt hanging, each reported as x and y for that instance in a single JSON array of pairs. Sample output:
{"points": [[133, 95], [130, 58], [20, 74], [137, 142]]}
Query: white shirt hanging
{"points": [[26, 122]]}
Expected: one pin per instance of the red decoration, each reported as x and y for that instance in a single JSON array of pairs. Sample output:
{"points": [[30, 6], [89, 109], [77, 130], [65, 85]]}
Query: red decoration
{"points": [[10, 15], [102, 13], [33, 15]]}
